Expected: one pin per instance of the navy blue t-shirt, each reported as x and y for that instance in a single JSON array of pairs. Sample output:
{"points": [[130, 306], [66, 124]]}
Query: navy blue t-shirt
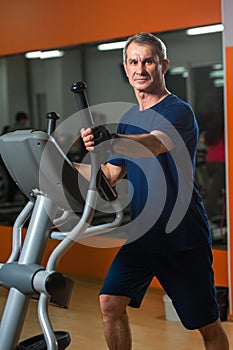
{"points": [[167, 212]]}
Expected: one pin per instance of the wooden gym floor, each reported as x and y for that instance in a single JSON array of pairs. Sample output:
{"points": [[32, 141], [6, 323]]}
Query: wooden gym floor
{"points": [[82, 320]]}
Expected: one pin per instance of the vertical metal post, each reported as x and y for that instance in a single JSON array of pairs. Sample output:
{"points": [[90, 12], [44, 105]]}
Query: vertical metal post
{"points": [[32, 253]]}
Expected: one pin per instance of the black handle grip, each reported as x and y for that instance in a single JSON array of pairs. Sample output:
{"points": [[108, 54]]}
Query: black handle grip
{"points": [[79, 86], [52, 118], [79, 89]]}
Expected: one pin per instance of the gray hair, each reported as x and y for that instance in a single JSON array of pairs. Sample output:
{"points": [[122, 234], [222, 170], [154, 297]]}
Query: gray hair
{"points": [[147, 39]]}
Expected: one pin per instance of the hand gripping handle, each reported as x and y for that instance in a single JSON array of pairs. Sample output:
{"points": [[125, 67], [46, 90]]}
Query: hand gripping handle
{"points": [[79, 89]]}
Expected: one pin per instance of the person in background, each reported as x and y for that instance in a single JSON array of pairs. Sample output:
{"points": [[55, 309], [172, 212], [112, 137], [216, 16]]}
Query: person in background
{"points": [[21, 121], [181, 259]]}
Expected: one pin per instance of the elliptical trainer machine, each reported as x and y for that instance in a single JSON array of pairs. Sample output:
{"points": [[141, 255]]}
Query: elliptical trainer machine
{"points": [[22, 274]]}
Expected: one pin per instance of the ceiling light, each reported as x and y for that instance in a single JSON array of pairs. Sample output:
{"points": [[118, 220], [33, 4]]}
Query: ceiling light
{"points": [[177, 70], [112, 46], [205, 30], [44, 54], [218, 82], [33, 54], [216, 74], [217, 66], [51, 54]]}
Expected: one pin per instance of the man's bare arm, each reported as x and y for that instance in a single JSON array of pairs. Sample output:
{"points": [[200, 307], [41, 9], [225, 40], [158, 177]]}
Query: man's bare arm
{"points": [[144, 145], [112, 172], [138, 146], [84, 169]]}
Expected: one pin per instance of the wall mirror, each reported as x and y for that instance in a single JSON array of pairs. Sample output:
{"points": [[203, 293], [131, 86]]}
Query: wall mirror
{"points": [[37, 86]]}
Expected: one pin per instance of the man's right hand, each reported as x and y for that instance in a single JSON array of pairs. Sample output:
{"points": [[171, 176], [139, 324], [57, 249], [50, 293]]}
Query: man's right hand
{"points": [[88, 139], [95, 136]]}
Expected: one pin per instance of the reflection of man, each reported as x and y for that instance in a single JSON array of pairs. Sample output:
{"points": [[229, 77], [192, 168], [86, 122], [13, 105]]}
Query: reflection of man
{"points": [[181, 260]]}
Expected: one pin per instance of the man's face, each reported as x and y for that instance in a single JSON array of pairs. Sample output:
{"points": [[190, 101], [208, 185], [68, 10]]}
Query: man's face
{"points": [[143, 69]]}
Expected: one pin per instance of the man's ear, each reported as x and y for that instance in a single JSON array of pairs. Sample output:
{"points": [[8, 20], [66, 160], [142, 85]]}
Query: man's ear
{"points": [[165, 65], [125, 69]]}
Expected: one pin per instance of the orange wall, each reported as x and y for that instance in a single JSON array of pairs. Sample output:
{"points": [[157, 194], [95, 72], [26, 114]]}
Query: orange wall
{"points": [[94, 262], [229, 120], [30, 25], [229, 113]]}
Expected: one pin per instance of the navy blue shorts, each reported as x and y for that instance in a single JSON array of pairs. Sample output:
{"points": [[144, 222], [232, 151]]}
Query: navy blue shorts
{"points": [[187, 277]]}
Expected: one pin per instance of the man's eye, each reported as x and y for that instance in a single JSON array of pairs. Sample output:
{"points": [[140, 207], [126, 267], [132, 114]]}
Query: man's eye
{"points": [[148, 62]]}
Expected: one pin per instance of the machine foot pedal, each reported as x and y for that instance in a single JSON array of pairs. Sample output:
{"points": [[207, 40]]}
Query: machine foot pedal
{"points": [[38, 342]]}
